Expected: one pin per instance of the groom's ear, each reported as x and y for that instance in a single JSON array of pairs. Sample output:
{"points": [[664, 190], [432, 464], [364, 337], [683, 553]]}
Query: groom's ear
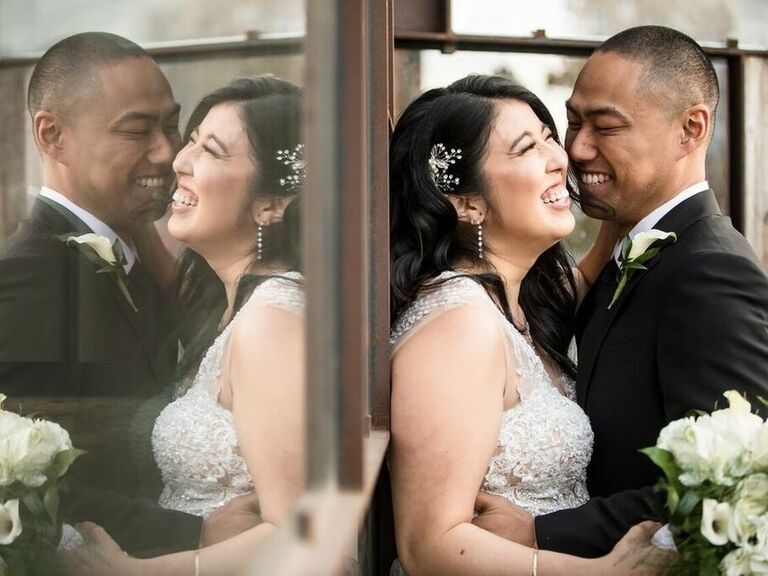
{"points": [[697, 126], [48, 134]]}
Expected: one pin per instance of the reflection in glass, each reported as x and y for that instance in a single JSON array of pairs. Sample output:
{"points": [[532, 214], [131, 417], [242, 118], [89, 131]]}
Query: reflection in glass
{"points": [[144, 21], [181, 374]]}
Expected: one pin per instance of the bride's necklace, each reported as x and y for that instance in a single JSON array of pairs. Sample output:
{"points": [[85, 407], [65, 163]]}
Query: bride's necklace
{"points": [[525, 331]]}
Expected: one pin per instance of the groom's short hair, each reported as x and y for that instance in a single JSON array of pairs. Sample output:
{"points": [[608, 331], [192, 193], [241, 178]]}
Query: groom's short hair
{"points": [[67, 73], [677, 67]]}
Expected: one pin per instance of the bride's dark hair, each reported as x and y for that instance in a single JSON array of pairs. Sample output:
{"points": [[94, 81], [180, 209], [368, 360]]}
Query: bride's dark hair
{"points": [[270, 110], [426, 236]]}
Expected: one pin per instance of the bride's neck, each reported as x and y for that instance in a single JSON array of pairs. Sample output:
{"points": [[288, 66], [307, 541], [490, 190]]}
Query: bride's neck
{"points": [[512, 270]]}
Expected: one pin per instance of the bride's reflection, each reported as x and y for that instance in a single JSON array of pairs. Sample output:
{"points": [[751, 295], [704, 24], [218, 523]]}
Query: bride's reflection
{"points": [[236, 427]]}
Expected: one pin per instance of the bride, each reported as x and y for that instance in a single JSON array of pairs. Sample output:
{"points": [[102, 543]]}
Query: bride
{"points": [[237, 426], [483, 303]]}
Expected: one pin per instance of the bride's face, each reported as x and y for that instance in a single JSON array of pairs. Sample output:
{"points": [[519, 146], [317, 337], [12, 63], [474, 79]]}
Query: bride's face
{"points": [[525, 170], [214, 171]]}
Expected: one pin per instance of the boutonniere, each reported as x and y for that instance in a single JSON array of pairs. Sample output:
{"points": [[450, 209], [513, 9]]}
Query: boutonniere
{"points": [[635, 253], [107, 256]]}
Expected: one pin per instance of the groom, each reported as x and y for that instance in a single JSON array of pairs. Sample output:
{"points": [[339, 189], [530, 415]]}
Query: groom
{"points": [[691, 326], [73, 345]]}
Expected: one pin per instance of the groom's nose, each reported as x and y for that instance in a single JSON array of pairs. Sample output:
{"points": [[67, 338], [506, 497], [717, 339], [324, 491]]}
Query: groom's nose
{"points": [[163, 147], [579, 146]]}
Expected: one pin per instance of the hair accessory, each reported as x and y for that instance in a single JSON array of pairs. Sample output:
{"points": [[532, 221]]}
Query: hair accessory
{"points": [[294, 159], [440, 160]]}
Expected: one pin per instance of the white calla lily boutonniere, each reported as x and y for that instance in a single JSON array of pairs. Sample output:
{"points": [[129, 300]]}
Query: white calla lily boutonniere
{"points": [[105, 254], [635, 253]]}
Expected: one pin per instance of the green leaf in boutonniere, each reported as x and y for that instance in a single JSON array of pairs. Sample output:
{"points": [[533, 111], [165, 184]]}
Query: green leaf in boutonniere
{"points": [[109, 257], [635, 253]]}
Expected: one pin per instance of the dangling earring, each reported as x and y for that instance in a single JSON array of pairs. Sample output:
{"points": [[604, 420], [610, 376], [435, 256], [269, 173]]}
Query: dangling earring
{"points": [[259, 242], [480, 240]]}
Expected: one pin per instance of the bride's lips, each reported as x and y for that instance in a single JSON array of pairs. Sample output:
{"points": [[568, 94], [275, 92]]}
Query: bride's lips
{"points": [[557, 197], [184, 200]]}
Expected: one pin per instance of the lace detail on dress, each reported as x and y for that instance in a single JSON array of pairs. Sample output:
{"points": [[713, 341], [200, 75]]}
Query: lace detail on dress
{"points": [[545, 441], [194, 437]]}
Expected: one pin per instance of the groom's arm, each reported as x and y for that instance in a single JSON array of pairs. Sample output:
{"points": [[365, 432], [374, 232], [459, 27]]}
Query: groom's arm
{"points": [[139, 526], [593, 529]]}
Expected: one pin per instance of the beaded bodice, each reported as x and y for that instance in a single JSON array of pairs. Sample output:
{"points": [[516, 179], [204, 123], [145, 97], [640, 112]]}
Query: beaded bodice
{"points": [[194, 439], [545, 440]]}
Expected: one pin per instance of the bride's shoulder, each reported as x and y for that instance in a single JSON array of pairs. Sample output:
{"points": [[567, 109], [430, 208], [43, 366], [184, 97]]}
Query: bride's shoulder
{"points": [[285, 291], [450, 304], [446, 292]]}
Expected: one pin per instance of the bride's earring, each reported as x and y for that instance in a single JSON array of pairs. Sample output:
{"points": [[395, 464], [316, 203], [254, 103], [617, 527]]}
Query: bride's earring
{"points": [[259, 240], [479, 240]]}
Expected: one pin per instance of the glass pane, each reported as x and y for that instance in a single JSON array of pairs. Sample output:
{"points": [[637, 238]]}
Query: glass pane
{"points": [[28, 26], [551, 78], [152, 295], [708, 21]]}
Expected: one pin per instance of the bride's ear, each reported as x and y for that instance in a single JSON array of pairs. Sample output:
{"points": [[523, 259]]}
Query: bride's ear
{"points": [[469, 209], [270, 210]]}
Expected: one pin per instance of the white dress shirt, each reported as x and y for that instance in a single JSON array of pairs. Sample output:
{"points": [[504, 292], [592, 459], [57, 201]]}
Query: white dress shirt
{"points": [[655, 217], [96, 225]]}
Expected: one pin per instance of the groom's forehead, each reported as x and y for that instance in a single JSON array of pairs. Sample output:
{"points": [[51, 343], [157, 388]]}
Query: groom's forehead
{"points": [[135, 89]]}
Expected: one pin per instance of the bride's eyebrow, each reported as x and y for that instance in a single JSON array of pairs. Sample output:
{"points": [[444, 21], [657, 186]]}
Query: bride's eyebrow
{"points": [[219, 143], [517, 140]]}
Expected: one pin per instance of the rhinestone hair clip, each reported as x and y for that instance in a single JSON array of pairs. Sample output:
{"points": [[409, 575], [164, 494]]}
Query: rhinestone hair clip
{"points": [[440, 161], [294, 159]]}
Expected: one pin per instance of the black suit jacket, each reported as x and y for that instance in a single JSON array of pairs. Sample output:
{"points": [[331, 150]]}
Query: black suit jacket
{"points": [[690, 327], [73, 350]]}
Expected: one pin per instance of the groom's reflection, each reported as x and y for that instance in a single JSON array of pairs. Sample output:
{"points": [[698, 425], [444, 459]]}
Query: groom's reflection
{"points": [[74, 345]]}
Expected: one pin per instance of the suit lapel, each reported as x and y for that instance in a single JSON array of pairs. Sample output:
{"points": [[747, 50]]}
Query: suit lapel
{"points": [[62, 221], [596, 320]]}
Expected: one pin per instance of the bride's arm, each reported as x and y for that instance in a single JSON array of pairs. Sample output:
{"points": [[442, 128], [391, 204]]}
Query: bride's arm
{"points": [[447, 402], [268, 403], [589, 267]]}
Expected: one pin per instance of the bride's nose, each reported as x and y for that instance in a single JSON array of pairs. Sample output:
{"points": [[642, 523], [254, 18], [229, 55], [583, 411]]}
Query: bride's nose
{"points": [[182, 164]]}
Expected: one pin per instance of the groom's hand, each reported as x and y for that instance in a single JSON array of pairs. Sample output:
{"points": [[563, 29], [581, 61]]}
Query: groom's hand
{"points": [[498, 515], [235, 517]]}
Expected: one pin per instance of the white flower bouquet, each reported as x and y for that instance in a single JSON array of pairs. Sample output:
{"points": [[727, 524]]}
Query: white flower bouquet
{"points": [[716, 483], [34, 456]]}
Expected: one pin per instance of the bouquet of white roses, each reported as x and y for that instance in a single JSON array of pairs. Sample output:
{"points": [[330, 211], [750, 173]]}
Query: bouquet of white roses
{"points": [[716, 482], [34, 455]]}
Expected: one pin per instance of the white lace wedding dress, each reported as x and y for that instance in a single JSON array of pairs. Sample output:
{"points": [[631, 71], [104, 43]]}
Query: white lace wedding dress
{"points": [[545, 441], [194, 439]]}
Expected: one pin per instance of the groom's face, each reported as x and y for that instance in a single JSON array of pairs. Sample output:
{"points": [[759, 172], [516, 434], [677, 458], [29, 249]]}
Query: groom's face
{"points": [[121, 143], [620, 139]]}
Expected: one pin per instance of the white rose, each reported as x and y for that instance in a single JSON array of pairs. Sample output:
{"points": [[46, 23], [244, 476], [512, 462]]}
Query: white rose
{"points": [[691, 441], [643, 241], [32, 451], [717, 447], [10, 425], [750, 503], [10, 523], [736, 563], [100, 244], [715, 518]]}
